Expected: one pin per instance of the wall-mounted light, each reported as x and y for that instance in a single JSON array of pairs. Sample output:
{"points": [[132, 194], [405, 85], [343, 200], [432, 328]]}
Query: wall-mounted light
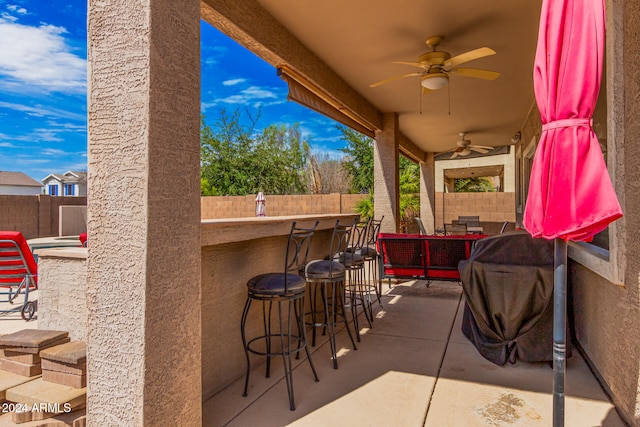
{"points": [[516, 138]]}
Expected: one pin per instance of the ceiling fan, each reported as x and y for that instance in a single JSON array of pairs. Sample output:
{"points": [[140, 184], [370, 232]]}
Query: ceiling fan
{"points": [[465, 147], [437, 65]]}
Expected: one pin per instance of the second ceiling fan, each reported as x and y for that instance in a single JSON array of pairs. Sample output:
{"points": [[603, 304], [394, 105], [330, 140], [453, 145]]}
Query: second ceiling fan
{"points": [[437, 65], [464, 147]]}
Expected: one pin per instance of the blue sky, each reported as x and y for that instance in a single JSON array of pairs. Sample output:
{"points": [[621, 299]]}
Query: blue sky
{"points": [[43, 51]]}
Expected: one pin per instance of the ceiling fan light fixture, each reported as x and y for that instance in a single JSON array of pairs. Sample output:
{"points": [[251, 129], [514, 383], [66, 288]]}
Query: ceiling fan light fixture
{"points": [[435, 81]]}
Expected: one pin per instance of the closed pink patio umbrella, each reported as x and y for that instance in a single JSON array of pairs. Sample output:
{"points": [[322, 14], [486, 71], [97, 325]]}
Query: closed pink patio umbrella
{"points": [[570, 193]]}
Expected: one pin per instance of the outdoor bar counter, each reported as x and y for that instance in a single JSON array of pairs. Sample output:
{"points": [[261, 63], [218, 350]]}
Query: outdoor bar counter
{"points": [[233, 250]]}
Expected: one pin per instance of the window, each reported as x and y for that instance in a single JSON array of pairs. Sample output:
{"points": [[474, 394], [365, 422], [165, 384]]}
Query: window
{"points": [[69, 189], [605, 255], [53, 189]]}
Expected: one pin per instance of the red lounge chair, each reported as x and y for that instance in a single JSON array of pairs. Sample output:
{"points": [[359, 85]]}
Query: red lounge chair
{"points": [[18, 272]]}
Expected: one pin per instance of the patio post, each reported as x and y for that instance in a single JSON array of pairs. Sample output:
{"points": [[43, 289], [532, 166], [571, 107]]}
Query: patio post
{"points": [[143, 280], [386, 193], [428, 193]]}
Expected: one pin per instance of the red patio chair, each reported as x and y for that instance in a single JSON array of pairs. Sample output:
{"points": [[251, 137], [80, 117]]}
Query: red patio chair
{"points": [[18, 272]]}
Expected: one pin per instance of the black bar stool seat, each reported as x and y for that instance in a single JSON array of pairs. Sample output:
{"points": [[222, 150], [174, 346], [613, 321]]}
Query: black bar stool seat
{"points": [[273, 285], [325, 269]]}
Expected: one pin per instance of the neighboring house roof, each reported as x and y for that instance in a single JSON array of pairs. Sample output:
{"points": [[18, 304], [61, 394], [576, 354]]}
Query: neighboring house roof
{"points": [[18, 179], [69, 177]]}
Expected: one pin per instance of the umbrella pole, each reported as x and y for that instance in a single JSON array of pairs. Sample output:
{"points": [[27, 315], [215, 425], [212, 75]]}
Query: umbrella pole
{"points": [[559, 329]]}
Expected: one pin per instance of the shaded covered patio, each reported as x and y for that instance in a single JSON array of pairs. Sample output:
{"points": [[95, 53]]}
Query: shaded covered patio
{"points": [[144, 210]]}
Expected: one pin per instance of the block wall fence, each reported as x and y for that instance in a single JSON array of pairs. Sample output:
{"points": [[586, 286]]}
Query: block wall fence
{"points": [[214, 207], [34, 216], [491, 207]]}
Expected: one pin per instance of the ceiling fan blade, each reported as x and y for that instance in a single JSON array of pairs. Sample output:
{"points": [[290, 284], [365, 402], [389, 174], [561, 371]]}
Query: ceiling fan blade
{"points": [[454, 155], [473, 72], [413, 64], [465, 152], [467, 56], [484, 147], [394, 78], [479, 150]]}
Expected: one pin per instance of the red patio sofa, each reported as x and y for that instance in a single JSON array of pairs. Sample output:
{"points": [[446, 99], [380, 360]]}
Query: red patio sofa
{"points": [[415, 256]]}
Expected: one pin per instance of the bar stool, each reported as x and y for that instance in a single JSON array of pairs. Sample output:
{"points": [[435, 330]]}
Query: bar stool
{"points": [[370, 255], [286, 287], [360, 289], [322, 275]]}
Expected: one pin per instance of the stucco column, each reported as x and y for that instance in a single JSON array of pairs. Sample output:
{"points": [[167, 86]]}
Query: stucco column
{"points": [[428, 193], [143, 279], [386, 193]]}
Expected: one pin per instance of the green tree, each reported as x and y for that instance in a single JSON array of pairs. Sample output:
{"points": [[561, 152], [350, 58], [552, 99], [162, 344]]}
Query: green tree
{"points": [[280, 158], [359, 161], [473, 185], [236, 161], [409, 182]]}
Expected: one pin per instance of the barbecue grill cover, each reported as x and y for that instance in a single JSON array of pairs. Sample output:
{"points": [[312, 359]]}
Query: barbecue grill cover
{"points": [[508, 288]]}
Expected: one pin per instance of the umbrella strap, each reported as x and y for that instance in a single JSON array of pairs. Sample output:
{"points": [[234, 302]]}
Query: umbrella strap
{"points": [[565, 123]]}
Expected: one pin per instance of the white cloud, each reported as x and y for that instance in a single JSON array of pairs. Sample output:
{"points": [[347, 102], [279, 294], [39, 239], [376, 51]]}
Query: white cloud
{"points": [[52, 152], [40, 57], [253, 96], [329, 139], [8, 17], [249, 95], [233, 82], [40, 111], [206, 105], [42, 134], [30, 160], [6, 144], [17, 9]]}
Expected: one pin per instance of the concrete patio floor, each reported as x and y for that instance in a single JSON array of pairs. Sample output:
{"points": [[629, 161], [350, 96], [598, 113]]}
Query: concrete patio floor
{"points": [[413, 368]]}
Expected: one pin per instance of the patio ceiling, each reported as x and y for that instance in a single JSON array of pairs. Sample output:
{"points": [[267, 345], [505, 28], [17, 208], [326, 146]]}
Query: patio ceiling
{"points": [[344, 46]]}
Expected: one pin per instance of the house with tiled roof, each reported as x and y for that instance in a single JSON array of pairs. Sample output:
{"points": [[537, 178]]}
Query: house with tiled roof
{"points": [[18, 184], [70, 183]]}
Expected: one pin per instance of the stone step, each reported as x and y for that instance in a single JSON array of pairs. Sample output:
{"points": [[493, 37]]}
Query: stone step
{"points": [[73, 353], [9, 380], [32, 341], [38, 392]]}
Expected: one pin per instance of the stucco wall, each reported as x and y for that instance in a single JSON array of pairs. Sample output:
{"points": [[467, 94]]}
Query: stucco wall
{"points": [[607, 315], [62, 291], [505, 160], [143, 290]]}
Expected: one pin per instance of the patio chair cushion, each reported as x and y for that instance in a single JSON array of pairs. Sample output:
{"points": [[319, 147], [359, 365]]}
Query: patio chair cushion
{"points": [[274, 284], [424, 257]]}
